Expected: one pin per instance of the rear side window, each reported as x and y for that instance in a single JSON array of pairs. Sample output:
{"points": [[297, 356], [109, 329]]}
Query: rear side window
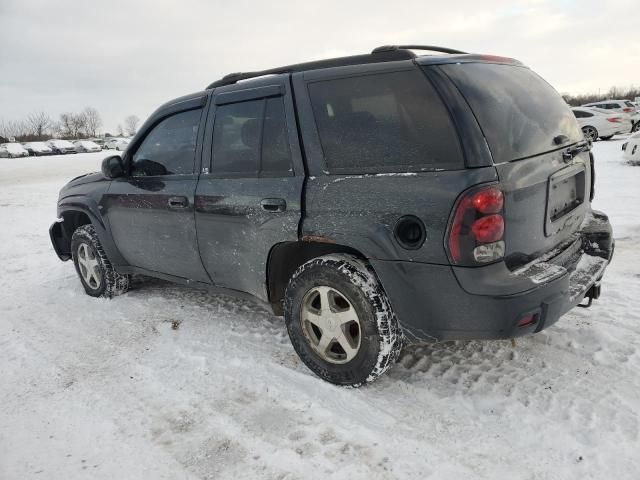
{"points": [[628, 104], [385, 122], [582, 114], [519, 113], [250, 140]]}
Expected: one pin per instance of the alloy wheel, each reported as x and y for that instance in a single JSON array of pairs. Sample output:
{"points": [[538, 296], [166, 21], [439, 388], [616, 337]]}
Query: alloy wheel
{"points": [[331, 324], [89, 266]]}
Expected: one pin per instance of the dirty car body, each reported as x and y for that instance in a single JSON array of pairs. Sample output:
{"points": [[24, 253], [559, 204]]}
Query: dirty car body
{"points": [[468, 197]]}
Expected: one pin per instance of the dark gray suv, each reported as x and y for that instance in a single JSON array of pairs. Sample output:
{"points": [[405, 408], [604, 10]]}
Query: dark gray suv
{"points": [[372, 200]]}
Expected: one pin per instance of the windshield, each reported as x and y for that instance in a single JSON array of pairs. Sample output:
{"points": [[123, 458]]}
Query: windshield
{"points": [[519, 113]]}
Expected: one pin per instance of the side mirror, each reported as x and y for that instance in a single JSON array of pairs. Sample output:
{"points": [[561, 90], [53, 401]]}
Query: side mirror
{"points": [[112, 167]]}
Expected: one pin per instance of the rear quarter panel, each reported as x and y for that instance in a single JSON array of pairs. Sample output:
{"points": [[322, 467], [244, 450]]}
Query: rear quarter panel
{"points": [[361, 211]]}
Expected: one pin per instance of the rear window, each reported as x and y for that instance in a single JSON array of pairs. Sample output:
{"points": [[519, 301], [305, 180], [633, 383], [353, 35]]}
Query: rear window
{"points": [[519, 112], [384, 122], [628, 104]]}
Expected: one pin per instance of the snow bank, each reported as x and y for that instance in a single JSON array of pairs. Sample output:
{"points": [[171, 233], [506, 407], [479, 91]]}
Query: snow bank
{"points": [[168, 382]]}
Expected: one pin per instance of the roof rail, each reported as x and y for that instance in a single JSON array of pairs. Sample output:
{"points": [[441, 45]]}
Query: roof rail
{"points": [[387, 54], [432, 48]]}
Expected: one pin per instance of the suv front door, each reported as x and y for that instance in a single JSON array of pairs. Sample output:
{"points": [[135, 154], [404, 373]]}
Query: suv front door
{"points": [[249, 193], [151, 210]]}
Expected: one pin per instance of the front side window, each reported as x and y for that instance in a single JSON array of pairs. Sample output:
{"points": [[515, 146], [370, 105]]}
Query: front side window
{"points": [[250, 140], [385, 122], [169, 149]]}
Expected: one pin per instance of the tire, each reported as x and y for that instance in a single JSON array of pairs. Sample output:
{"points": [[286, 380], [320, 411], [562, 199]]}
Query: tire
{"points": [[96, 273], [608, 137], [590, 132], [635, 127], [358, 312]]}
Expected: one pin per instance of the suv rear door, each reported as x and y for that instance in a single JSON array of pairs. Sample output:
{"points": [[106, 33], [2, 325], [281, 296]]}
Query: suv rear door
{"points": [[529, 129], [249, 193]]}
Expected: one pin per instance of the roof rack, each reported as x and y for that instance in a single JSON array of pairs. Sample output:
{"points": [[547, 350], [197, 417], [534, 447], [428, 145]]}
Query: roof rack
{"points": [[387, 53], [431, 48]]}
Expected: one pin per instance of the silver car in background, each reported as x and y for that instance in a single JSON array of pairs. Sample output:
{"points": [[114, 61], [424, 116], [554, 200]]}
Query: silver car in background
{"points": [[37, 148], [13, 150], [87, 146]]}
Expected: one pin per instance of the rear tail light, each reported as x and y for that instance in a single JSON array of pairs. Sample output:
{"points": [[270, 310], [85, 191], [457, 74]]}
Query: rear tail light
{"points": [[476, 229], [627, 109], [614, 119]]}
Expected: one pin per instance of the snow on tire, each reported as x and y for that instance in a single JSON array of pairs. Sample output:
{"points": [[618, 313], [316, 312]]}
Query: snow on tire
{"points": [[96, 273], [340, 321]]}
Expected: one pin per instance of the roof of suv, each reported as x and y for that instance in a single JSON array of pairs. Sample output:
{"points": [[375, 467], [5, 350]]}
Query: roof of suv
{"points": [[388, 53]]}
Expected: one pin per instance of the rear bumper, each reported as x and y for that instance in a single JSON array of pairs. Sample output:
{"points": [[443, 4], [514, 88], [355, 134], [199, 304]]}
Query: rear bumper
{"points": [[439, 302]]}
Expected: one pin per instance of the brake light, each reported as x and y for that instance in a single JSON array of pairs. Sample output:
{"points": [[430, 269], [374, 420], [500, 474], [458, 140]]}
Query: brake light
{"points": [[627, 109], [476, 228], [614, 119], [490, 200], [488, 229]]}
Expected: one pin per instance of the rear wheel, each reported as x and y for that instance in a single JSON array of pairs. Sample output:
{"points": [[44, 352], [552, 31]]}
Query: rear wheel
{"points": [[96, 273], [340, 321], [590, 132], [636, 127]]}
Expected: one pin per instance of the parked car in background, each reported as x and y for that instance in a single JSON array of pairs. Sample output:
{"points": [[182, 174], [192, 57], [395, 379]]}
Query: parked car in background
{"points": [[61, 146], [119, 144], [620, 106], [596, 123], [631, 149], [13, 150], [37, 148], [87, 146], [99, 141]]}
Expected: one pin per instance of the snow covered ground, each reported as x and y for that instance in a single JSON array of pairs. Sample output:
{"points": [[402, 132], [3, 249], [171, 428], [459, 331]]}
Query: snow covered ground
{"points": [[172, 383]]}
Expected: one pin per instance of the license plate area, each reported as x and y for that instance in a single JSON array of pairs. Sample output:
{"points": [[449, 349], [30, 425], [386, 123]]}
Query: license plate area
{"points": [[565, 194]]}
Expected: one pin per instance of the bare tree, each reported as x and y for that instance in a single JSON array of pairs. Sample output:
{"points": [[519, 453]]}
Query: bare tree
{"points": [[40, 124], [14, 128], [614, 93], [93, 121], [119, 131], [66, 125], [131, 124]]}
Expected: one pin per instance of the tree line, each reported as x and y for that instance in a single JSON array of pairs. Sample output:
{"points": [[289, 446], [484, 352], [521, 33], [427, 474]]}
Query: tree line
{"points": [[614, 93], [69, 126]]}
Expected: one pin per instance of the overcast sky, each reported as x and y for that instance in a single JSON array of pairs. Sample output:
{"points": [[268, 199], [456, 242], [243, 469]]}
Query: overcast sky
{"points": [[128, 57]]}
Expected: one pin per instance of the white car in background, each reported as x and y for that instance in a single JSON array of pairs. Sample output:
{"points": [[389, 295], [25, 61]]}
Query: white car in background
{"points": [[631, 149], [119, 144], [621, 106], [37, 148], [596, 123], [60, 147], [13, 150], [87, 146]]}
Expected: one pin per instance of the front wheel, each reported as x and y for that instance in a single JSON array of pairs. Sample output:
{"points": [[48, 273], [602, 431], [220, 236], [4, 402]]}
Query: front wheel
{"points": [[590, 132], [636, 127], [340, 321], [96, 273]]}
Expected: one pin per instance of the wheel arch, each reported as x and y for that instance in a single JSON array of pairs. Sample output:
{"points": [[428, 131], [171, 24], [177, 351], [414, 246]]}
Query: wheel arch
{"points": [[73, 216], [285, 258]]}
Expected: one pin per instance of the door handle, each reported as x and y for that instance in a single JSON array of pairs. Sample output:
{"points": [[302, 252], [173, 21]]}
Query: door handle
{"points": [[178, 202], [273, 204]]}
